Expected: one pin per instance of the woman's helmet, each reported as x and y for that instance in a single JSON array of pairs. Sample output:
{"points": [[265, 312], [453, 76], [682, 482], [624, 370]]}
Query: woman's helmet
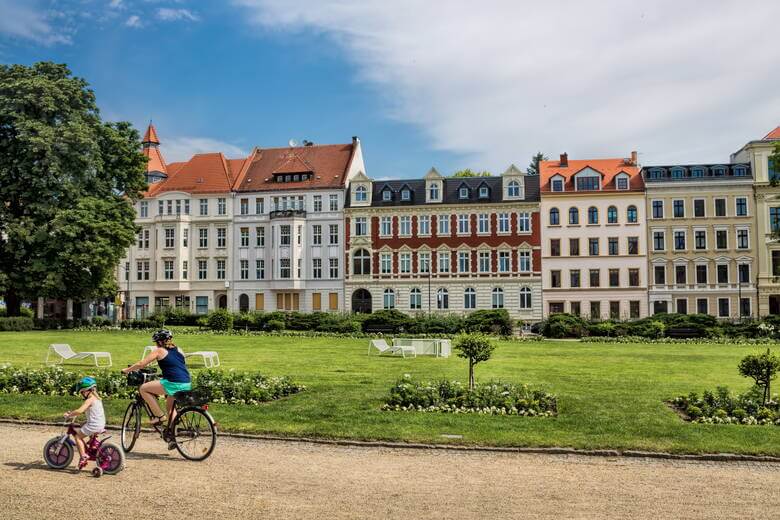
{"points": [[87, 383], [162, 335]]}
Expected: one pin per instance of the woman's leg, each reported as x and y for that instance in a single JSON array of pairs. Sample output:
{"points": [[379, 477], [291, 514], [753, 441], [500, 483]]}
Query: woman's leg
{"points": [[150, 391], [169, 401]]}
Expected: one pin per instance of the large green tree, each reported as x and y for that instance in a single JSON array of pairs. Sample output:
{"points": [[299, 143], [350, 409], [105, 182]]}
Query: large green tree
{"points": [[67, 184], [468, 172], [533, 167]]}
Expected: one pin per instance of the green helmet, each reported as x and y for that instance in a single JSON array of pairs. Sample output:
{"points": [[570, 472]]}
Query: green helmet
{"points": [[86, 383]]}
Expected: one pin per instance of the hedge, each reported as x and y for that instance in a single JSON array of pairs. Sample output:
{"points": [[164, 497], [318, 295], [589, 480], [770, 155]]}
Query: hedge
{"points": [[16, 324]]}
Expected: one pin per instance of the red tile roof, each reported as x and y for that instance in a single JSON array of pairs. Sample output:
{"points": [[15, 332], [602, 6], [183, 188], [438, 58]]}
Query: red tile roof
{"points": [[203, 173], [151, 135], [156, 162], [608, 168], [774, 134], [327, 163]]}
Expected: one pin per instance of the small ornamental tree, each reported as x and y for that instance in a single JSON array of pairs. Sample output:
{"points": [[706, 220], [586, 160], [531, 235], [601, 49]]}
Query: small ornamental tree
{"points": [[474, 347], [762, 368]]}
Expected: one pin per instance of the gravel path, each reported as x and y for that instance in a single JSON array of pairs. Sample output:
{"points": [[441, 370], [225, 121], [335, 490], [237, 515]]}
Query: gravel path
{"points": [[269, 479]]}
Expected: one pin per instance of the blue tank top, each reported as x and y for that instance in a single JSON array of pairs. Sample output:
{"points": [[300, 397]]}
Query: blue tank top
{"points": [[173, 367]]}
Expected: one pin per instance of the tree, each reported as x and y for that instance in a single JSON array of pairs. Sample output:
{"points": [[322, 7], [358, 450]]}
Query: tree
{"points": [[762, 368], [68, 182], [468, 172], [774, 162], [533, 168], [476, 348]]}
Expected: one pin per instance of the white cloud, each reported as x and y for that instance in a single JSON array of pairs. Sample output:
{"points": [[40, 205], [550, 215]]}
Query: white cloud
{"points": [[182, 148], [168, 14], [30, 22], [134, 21], [679, 81]]}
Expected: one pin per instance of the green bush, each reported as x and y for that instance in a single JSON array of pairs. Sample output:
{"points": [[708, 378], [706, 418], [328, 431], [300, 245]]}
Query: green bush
{"points": [[489, 321], [220, 320], [437, 324], [272, 325], [16, 324], [694, 412], [564, 325], [392, 319], [722, 407]]}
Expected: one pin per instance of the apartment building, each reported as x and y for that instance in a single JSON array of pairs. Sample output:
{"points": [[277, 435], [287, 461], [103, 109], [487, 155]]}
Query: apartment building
{"points": [[288, 230], [594, 258], [701, 239], [445, 245], [766, 184]]}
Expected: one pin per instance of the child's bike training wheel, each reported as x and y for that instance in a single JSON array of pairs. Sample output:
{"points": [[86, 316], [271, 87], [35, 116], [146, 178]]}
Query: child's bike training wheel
{"points": [[97, 472]]}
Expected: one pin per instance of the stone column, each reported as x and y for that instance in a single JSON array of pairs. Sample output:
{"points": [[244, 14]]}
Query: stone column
{"points": [[40, 308], [69, 309]]}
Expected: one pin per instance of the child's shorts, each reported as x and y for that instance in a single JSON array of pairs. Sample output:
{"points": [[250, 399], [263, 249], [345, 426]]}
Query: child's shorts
{"points": [[88, 430]]}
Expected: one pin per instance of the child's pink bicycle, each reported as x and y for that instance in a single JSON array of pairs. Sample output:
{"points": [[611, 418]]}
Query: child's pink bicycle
{"points": [[109, 458]]}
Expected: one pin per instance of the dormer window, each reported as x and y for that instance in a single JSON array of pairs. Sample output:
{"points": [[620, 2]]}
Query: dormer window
{"points": [[361, 194], [678, 173], [740, 171], [719, 171], [387, 195], [556, 184], [483, 192], [621, 182], [513, 189], [697, 172], [657, 174], [406, 194], [463, 192], [433, 191], [588, 183]]}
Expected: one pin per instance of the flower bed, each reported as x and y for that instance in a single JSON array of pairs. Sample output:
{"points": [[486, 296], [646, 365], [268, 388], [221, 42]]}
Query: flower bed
{"points": [[491, 398], [722, 407], [690, 341], [224, 386]]}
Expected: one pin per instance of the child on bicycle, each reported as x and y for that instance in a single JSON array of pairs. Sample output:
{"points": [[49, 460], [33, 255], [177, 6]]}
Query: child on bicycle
{"points": [[96, 417]]}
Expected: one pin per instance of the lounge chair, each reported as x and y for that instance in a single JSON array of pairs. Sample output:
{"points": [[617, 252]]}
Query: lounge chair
{"points": [[62, 352], [210, 358], [394, 350]]}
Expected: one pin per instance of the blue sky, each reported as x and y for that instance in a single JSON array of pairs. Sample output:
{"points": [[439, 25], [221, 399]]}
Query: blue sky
{"points": [[421, 84]]}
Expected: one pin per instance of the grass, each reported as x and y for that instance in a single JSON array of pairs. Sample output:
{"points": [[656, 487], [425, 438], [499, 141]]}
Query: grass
{"points": [[610, 395]]}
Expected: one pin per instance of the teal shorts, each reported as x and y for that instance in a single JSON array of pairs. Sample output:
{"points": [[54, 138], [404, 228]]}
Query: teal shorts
{"points": [[171, 387]]}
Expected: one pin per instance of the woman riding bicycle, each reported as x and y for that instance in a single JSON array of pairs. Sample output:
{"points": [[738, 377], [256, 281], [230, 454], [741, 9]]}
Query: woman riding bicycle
{"points": [[175, 376]]}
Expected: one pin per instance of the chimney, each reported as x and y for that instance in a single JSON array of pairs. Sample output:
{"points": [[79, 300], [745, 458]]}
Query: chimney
{"points": [[564, 159], [634, 158]]}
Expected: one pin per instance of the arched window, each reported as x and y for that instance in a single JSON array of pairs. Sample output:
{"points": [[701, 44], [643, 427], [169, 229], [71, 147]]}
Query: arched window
{"points": [[498, 298], [593, 215], [574, 216], [631, 214], [361, 262], [415, 299], [469, 298], [555, 217], [389, 299], [442, 299], [612, 215], [243, 303], [513, 189], [361, 194], [525, 298]]}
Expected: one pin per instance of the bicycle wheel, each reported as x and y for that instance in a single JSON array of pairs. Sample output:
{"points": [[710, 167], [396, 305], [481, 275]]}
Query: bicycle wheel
{"points": [[194, 433], [131, 427], [56, 455], [110, 458]]}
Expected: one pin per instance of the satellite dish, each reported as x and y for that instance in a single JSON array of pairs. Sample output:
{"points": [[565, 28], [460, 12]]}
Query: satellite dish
{"points": [[293, 143]]}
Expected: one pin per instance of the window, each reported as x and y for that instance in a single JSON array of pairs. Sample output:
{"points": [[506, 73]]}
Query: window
{"points": [[463, 224], [659, 274], [660, 307], [593, 215], [595, 310], [503, 261], [316, 234], [317, 205], [244, 237], [774, 218], [484, 262], [433, 191], [415, 299], [682, 306], [574, 216], [143, 208], [361, 195], [720, 207], [202, 269], [316, 268], [723, 307], [361, 226], [555, 279], [614, 277], [678, 207], [389, 299], [464, 261], [483, 192], [525, 261], [555, 219], [679, 240], [633, 309], [631, 215], [385, 226], [443, 221], [178, 206], [622, 182], [701, 274], [680, 274], [185, 237], [595, 277], [483, 222], [244, 207], [698, 207], [659, 241], [742, 206], [743, 271], [168, 269], [221, 206], [633, 277], [633, 245], [387, 195], [361, 262], [284, 235], [386, 263], [702, 305], [201, 305], [245, 269], [204, 206], [424, 225], [593, 246], [721, 239], [557, 184], [700, 239], [169, 206], [160, 207], [658, 209], [555, 247], [405, 226], [259, 206], [590, 182], [574, 278], [503, 222], [775, 263], [333, 235], [423, 262], [170, 237], [444, 261], [143, 239], [744, 306], [406, 194], [574, 247], [574, 308], [723, 273], [220, 269], [612, 215], [742, 239], [221, 237], [284, 268], [260, 269], [469, 298], [333, 200], [463, 192], [498, 298], [405, 262], [612, 243], [525, 298], [442, 299], [513, 189], [614, 310], [524, 223]]}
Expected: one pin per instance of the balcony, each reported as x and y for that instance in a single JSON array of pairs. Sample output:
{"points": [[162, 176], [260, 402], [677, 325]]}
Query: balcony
{"points": [[287, 213]]}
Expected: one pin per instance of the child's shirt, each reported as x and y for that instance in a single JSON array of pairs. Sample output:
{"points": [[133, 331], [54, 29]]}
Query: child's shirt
{"points": [[96, 417]]}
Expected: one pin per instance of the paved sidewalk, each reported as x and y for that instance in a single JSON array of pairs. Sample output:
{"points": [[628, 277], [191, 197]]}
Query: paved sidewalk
{"points": [[269, 479]]}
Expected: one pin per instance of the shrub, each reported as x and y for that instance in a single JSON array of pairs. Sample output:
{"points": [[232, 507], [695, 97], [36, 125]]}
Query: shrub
{"points": [[99, 321], [563, 325], [762, 368], [489, 321], [475, 347], [220, 320], [392, 319], [274, 325], [693, 412], [437, 324], [16, 324], [721, 407]]}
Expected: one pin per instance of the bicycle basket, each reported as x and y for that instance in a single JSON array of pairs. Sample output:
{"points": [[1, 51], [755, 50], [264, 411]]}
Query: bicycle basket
{"points": [[139, 377], [196, 397]]}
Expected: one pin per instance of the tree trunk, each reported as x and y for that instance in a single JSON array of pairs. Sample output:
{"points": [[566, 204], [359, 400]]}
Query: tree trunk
{"points": [[471, 375], [13, 305]]}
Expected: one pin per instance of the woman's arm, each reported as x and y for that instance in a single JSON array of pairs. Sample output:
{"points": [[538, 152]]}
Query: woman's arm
{"points": [[145, 361], [83, 408]]}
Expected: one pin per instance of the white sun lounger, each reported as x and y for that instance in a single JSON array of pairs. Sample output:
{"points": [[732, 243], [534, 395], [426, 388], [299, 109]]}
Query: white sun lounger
{"points": [[210, 358], [61, 352], [394, 350]]}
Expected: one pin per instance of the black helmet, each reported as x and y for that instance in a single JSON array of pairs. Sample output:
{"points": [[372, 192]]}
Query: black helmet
{"points": [[162, 335]]}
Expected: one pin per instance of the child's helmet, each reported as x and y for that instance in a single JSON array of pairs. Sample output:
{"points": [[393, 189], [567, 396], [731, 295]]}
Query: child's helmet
{"points": [[86, 383], [162, 335]]}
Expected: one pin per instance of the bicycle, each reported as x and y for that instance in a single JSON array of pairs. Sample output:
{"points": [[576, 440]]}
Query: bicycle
{"points": [[193, 430], [58, 452]]}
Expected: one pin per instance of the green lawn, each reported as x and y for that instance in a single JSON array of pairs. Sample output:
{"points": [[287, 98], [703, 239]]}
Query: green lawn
{"points": [[610, 395]]}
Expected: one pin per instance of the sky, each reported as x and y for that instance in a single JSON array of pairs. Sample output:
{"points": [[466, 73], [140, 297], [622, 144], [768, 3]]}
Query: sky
{"points": [[451, 84]]}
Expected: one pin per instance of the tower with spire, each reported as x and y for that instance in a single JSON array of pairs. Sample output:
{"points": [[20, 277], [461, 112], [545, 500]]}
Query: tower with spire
{"points": [[156, 169]]}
